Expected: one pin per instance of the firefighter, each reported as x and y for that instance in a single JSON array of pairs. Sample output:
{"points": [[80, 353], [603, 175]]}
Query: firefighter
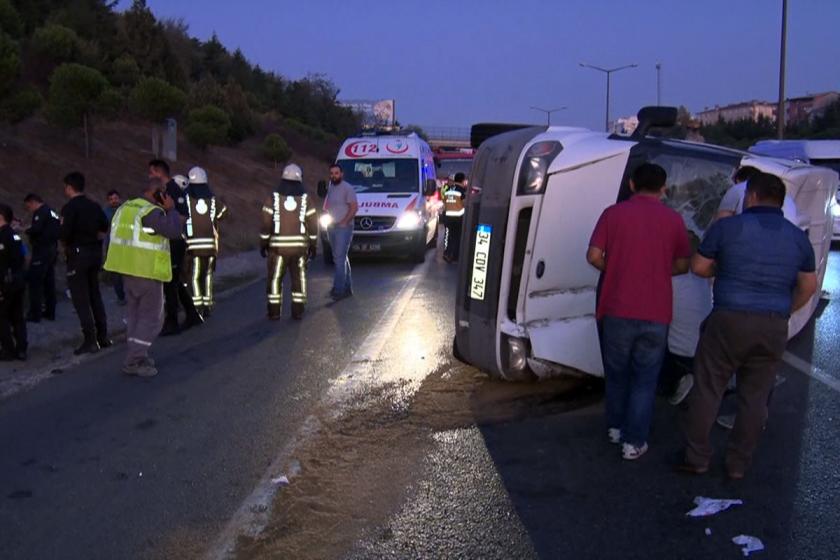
{"points": [[204, 212], [288, 238], [453, 204]]}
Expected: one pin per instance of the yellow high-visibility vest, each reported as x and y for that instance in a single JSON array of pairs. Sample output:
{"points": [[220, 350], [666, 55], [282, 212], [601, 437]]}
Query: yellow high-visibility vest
{"points": [[135, 250]]}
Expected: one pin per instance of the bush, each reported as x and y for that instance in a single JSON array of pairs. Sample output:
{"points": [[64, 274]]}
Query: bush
{"points": [[155, 99], [75, 92], [276, 149], [9, 62], [124, 71], [20, 105], [208, 126], [57, 43]]}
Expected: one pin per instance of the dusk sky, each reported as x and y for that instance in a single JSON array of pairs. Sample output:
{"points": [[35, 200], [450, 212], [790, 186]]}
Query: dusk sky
{"points": [[453, 63]]}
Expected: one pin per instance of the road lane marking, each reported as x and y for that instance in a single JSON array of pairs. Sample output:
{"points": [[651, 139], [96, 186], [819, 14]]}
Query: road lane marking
{"points": [[811, 371], [254, 513]]}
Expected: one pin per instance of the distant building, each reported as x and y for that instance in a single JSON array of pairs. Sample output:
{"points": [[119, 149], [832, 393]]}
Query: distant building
{"points": [[799, 110], [624, 126], [748, 110]]}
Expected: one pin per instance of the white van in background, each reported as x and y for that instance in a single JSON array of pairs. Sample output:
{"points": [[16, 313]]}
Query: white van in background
{"points": [[394, 179], [822, 153]]}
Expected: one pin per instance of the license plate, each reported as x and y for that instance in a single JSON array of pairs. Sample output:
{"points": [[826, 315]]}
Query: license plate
{"points": [[367, 247], [481, 258]]}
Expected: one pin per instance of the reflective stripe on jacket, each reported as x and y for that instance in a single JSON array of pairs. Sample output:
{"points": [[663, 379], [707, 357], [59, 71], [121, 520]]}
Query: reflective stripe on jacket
{"points": [[135, 250]]}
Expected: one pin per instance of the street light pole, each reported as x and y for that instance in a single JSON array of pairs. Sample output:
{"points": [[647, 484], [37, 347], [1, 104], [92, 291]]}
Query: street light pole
{"points": [[658, 84], [780, 110], [548, 112], [608, 72]]}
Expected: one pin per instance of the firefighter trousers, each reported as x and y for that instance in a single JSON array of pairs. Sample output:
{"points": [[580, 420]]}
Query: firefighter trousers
{"points": [[277, 267], [202, 281]]}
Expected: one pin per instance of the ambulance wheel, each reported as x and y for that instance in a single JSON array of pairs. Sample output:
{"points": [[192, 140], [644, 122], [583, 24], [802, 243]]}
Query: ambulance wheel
{"points": [[328, 256], [419, 253]]}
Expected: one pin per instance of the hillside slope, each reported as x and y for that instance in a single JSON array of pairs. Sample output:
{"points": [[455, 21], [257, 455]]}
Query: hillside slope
{"points": [[34, 157]]}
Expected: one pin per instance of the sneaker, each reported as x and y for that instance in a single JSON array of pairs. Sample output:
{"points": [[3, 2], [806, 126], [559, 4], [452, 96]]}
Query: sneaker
{"points": [[683, 389], [726, 421], [614, 435], [631, 452]]}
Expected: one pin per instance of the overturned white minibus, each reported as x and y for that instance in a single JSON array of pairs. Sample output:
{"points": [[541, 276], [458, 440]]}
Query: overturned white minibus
{"points": [[526, 295]]}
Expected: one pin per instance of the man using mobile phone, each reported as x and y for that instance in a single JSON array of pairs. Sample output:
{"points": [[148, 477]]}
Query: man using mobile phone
{"points": [[143, 259]]}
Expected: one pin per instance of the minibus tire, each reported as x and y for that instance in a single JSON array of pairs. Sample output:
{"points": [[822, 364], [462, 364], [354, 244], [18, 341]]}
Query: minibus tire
{"points": [[419, 253]]}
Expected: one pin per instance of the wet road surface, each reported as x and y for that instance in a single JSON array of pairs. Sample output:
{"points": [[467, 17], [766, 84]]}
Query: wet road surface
{"points": [[414, 455]]}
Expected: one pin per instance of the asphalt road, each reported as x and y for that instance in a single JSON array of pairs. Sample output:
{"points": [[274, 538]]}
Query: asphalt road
{"points": [[538, 482], [98, 465]]}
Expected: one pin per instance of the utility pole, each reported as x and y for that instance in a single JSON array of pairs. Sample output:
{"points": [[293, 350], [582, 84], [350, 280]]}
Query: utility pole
{"points": [[548, 112], [608, 72], [658, 84], [780, 111]]}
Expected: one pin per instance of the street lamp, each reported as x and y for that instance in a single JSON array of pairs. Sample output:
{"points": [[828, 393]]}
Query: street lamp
{"points": [[608, 72], [780, 111], [548, 112], [658, 84]]}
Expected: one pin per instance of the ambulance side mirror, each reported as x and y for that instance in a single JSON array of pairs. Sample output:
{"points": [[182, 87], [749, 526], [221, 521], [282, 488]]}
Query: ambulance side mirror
{"points": [[322, 189], [430, 188]]}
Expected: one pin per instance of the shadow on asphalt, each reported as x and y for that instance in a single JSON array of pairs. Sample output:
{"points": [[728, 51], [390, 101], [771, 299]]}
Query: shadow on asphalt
{"points": [[577, 498]]}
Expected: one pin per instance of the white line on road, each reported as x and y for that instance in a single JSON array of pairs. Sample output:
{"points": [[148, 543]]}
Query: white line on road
{"points": [[254, 513], [811, 370]]}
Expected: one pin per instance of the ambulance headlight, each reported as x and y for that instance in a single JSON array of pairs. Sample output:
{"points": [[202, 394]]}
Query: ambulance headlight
{"points": [[409, 220], [534, 171], [326, 221]]}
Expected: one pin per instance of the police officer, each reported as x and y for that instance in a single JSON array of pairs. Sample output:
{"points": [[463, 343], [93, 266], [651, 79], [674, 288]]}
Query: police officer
{"points": [[12, 288], [288, 237], [43, 237], [453, 205], [204, 212], [83, 227], [175, 290]]}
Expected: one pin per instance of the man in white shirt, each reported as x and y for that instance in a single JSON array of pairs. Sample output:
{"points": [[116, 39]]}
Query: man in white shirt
{"points": [[732, 202]]}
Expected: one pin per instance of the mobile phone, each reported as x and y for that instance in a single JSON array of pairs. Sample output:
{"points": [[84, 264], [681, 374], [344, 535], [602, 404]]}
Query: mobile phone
{"points": [[159, 196]]}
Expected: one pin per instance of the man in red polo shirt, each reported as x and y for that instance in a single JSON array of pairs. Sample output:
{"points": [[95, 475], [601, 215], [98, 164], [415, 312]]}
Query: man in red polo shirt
{"points": [[638, 245]]}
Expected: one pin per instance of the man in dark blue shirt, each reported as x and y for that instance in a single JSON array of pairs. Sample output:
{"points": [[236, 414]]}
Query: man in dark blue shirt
{"points": [[764, 270], [43, 236]]}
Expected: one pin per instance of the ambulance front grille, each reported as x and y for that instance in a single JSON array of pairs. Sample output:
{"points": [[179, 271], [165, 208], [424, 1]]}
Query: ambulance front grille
{"points": [[374, 223]]}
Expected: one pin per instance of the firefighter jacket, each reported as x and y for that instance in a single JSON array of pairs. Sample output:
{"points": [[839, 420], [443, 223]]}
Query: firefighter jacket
{"points": [[453, 201], [204, 211], [290, 222]]}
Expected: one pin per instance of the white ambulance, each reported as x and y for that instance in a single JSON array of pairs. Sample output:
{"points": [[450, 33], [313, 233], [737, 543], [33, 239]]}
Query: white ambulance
{"points": [[394, 179], [526, 295]]}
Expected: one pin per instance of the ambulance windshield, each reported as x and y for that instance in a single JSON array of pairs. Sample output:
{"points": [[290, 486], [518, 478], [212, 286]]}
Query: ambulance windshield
{"points": [[381, 175]]}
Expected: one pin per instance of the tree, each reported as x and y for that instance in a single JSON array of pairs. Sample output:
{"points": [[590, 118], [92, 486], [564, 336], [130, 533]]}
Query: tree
{"points": [[155, 100], [9, 63], [241, 116], [276, 149], [75, 93], [125, 71], [208, 126], [10, 21], [56, 43], [20, 105]]}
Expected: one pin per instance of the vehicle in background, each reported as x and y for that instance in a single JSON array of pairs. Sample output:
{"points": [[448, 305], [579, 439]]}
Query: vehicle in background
{"points": [[525, 302], [395, 182], [451, 161], [824, 153]]}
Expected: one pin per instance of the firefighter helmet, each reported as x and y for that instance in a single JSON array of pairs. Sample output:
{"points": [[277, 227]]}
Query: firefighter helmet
{"points": [[292, 172], [198, 175], [181, 181]]}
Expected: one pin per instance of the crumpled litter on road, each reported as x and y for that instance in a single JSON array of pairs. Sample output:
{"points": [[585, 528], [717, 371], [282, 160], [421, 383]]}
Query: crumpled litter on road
{"points": [[708, 532], [711, 506], [748, 544], [282, 480]]}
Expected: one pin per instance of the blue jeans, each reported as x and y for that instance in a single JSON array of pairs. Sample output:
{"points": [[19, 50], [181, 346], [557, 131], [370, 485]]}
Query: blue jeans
{"points": [[340, 240], [633, 352]]}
